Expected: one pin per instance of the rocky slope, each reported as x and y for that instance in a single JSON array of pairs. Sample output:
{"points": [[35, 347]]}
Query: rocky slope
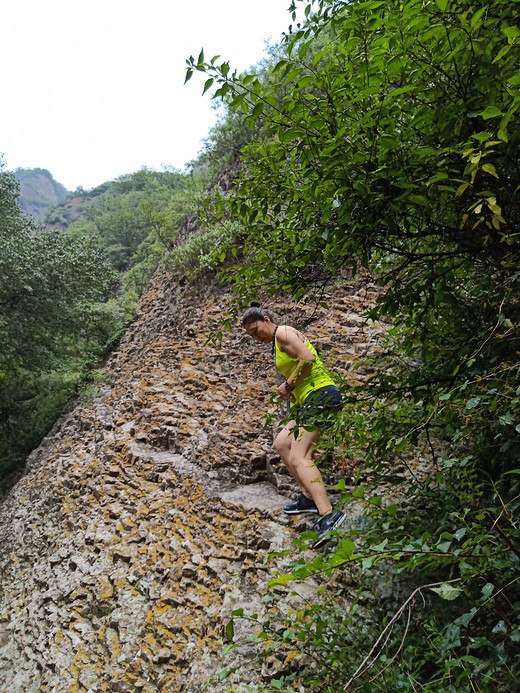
{"points": [[38, 191], [145, 516]]}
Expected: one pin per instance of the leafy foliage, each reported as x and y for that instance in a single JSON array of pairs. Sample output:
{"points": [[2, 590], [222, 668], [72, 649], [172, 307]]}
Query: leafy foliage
{"points": [[204, 251], [387, 138], [51, 289], [123, 216]]}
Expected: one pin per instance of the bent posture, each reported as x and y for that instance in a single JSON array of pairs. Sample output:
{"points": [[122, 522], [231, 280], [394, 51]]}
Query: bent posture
{"points": [[308, 385]]}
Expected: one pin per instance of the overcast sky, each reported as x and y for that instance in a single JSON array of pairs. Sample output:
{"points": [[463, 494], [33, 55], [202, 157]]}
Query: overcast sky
{"points": [[93, 89]]}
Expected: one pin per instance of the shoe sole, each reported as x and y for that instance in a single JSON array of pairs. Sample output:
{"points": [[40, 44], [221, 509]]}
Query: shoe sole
{"points": [[313, 511], [326, 537]]}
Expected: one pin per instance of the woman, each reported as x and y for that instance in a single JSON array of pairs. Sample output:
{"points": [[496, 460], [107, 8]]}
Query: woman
{"points": [[318, 400]]}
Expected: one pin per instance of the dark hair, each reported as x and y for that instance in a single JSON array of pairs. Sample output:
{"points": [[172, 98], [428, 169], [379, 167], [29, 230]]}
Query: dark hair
{"points": [[254, 313]]}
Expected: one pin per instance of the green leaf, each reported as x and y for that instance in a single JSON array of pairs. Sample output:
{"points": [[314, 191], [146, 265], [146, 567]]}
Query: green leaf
{"points": [[304, 48], [444, 546], [389, 142], [345, 549], [224, 674], [447, 591], [467, 617], [489, 168], [283, 579], [257, 110], [488, 590], [381, 546], [502, 52], [401, 90], [512, 32], [490, 112], [419, 200], [230, 630], [208, 84], [319, 55], [289, 134], [279, 65], [514, 80], [500, 628]]}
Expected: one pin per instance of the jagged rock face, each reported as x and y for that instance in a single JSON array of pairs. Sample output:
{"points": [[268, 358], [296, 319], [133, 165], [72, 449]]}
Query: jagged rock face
{"points": [[38, 191], [145, 516]]}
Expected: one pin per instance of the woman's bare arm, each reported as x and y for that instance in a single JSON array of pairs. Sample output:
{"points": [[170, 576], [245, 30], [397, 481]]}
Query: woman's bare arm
{"points": [[292, 342]]}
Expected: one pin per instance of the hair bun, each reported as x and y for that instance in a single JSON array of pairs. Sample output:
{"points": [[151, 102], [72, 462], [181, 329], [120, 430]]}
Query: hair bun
{"points": [[254, 313]]}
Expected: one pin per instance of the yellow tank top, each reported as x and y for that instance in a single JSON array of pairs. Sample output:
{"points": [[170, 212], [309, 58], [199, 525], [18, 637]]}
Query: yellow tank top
{"points": [[318, 376]]}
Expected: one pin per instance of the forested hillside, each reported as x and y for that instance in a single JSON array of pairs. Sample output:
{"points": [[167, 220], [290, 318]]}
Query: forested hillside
{"points": [[378, 139], [70, 288]]}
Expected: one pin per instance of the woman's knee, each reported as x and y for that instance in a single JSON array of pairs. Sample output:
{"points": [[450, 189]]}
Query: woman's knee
{"points": [[282, 445], [298, 461]]}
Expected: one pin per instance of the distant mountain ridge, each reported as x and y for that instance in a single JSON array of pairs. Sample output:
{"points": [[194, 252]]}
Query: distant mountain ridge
{"points": [[38, 191]]}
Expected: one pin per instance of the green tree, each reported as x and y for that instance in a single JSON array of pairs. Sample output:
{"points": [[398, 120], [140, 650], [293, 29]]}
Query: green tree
{"points": [[49, 283]]}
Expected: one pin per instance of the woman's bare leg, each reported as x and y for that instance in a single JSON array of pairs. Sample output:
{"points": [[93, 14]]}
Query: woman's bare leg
{"points": [[297, 453]]}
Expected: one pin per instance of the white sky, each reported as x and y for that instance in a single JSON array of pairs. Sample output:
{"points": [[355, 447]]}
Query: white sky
{"points": [[93, 89]]}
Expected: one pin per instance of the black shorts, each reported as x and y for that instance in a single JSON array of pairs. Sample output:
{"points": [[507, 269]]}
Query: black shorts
{"points": [[320, 408]]}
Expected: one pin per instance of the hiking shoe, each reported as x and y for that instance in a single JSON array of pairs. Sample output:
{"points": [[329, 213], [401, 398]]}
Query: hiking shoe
{"points": [[301, 505], [327, 524]]}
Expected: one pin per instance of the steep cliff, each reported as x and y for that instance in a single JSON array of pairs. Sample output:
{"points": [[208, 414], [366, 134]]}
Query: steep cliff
{"points": [[144, 517], [38, 191]]}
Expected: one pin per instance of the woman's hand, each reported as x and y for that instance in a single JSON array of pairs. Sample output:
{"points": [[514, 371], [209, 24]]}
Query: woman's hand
{"points": [[284, 392]]}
